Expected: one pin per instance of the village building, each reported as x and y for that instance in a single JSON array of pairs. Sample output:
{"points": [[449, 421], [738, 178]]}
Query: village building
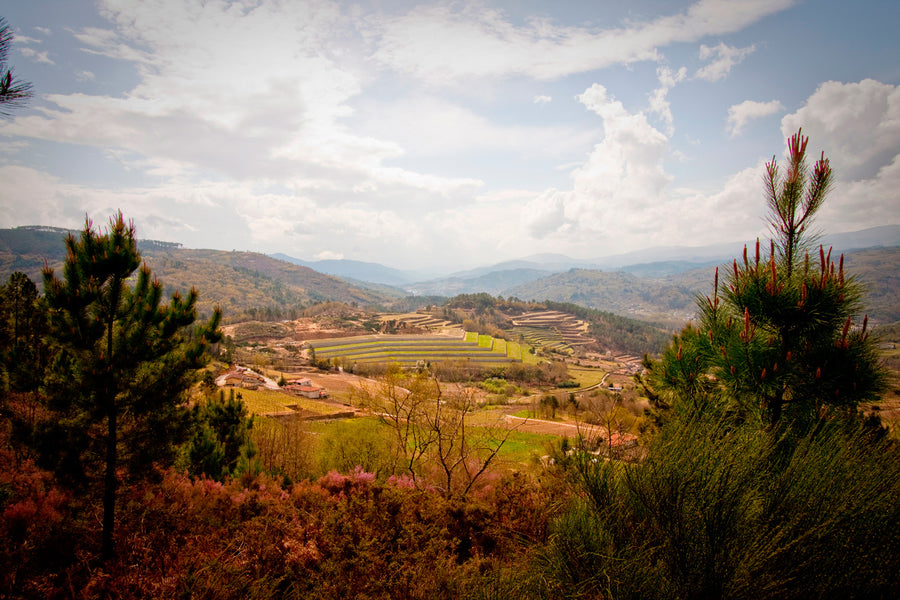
{"points": [[305, 389]]}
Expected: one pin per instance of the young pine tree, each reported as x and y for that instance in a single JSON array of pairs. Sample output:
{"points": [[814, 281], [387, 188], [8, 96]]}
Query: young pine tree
{"points": [[781, 339], [123, 358], [22, 324], [221, 437]]}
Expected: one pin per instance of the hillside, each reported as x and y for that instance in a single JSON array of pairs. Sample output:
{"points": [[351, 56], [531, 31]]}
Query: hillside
{"points": [[495, 282], [26, 248], [250, 283], [613, 291], [879, 271], [242, 283], [671, 299], [247, 283]]}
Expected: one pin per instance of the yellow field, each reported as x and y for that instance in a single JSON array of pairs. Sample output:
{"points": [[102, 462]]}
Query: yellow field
{"points": [[261, 402]]}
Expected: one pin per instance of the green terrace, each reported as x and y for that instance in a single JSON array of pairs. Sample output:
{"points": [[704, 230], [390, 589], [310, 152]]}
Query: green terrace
{"points": [[538, 336], [411, 349]]}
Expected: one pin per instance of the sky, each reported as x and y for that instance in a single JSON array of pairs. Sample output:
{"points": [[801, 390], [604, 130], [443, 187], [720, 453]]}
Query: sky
{"points": [[446, 134]]}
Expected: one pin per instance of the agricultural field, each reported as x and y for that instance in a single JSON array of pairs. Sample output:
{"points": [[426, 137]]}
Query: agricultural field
{"points": [[411, 350], [264, 402], [417, 320], [553, 330]]}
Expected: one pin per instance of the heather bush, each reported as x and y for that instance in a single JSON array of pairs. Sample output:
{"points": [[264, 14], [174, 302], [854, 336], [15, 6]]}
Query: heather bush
{"points": [[35, 528], [340, 536]]}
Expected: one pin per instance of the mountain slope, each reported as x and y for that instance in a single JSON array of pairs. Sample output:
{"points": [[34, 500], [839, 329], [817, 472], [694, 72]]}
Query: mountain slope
{"points": [[239, 282], [671, 299], [494, 282], [357, 270], [613, 291], [243, 281]]}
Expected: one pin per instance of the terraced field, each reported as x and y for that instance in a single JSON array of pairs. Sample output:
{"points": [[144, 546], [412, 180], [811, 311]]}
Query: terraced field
{"points": [[551, 329], [410, 350], [420, 320]]}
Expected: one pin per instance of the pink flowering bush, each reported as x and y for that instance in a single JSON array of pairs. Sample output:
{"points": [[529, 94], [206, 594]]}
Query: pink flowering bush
{"points": [[341, 536]]}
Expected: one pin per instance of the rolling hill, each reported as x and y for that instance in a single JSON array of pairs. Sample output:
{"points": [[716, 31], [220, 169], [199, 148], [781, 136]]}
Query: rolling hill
{"points": [[671, 299], [240, 282], [662, 291]]}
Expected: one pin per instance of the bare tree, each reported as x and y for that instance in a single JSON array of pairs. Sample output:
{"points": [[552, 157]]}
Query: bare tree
{"points": [[401, 402], [431, 432], [462, 452]]}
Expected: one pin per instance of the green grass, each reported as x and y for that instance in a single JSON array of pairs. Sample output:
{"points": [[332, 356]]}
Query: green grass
{"points": [[521, 446], [409, 350], [586, 376]]}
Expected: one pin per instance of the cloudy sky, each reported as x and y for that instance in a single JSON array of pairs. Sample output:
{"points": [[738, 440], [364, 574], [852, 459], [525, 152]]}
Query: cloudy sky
{"points": [[445, 133]]}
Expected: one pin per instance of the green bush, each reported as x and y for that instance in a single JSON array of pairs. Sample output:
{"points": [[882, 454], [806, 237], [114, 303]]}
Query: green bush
{"points": [[356, 443], [720, 510]]}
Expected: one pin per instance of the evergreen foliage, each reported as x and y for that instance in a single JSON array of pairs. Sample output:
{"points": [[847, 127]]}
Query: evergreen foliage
{"points": [[804, 507], [781, 340], [23, 354], [123, 358], [13, 91], [221, 436], [721, 510]]}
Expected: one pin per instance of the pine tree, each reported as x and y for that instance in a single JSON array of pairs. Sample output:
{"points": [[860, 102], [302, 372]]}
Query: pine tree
{"points": [[221, 436], [123, 358], [781, 339], [13, 91], [22, 325]]}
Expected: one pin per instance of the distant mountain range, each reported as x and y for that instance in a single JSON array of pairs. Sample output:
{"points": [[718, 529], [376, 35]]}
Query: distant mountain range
{"points": [[659, 261], [659, 284]]}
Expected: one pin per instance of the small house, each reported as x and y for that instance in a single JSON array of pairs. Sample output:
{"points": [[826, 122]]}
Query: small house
{"points": [[313, 392]]}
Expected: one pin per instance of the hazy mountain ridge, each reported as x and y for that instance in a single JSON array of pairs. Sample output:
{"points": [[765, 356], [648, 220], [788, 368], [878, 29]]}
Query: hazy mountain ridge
{"points": [[492, 282], [663, 290], [356, 269], [614, 291], [658, 262], [673, 298]]}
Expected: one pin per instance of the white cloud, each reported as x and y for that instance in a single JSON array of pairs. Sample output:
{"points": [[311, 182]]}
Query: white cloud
{"points": [[37, 56], [328, 255], [444, 42], [622, 198], [620, 183], [856, 124], [85, 76], [244, 92], [740, 114], [542, 99], [855, 205], [723, 57], [428, 126], [659, 103]]}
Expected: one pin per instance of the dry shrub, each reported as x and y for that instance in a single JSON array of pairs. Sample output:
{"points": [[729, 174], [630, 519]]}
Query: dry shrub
{"points": [[341, 536]]}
